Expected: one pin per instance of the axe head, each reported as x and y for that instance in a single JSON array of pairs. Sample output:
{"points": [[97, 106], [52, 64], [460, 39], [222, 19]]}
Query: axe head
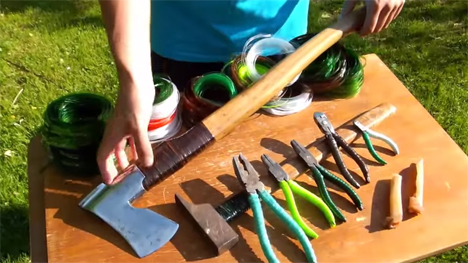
{"points": [[145, 230]]}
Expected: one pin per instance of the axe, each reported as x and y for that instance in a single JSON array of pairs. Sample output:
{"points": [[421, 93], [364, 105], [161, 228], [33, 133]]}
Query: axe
{"points": [[147, 231]]}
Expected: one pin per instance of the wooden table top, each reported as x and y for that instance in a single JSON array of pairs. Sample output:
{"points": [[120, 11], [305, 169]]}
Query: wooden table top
{"points": [[72, 234]]}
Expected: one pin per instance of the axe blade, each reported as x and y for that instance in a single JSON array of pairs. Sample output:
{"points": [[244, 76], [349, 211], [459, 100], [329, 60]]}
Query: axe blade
{"points": [[145, 230]]}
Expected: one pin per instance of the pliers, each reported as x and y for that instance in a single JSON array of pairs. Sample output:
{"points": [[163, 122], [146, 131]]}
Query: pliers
{"points": [[289, 186], [334, 140], [367, 133], [255, 188], [319, 174]]}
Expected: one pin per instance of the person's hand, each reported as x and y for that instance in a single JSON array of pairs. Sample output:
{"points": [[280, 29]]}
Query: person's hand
{"points": [[129, 123], [379, 13]]}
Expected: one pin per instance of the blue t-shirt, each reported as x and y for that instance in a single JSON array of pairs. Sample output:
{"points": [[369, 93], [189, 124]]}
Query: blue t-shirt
{"points": [[215, 31]]}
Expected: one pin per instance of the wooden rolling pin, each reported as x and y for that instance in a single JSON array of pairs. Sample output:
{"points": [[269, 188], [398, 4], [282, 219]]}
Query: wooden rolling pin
{"points": [[173, 154]]}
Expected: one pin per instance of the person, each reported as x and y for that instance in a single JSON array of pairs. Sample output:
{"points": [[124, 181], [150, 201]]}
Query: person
{"points": [[185, 39]]}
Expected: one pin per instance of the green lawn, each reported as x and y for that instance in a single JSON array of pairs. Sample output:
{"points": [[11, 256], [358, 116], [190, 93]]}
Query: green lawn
{"points": [[48, 49]]}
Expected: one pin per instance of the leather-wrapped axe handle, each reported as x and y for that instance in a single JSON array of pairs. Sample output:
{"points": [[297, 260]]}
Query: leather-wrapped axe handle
{"points": [[173, 154]]}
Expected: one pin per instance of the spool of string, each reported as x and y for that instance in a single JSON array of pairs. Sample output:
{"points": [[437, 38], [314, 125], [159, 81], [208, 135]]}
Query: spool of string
{"points": [[165, 119], [260, 54], [206, 94], [73, 128], [336, 73]]}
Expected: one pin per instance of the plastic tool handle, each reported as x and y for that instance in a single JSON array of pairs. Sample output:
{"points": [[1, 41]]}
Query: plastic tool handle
{"points": [[291, 224], [346, 187], [371, 149], [324, 193], [384, 138], [312, 198], [261, 230], [339, 160], [353, 154], [293, 209]]}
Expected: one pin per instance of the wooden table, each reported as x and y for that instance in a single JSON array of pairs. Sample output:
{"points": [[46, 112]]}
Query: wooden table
{"points": [[63, 232]]}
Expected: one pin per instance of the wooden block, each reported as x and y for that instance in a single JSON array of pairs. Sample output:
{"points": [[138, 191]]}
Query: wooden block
{"points": [[75, 235]]}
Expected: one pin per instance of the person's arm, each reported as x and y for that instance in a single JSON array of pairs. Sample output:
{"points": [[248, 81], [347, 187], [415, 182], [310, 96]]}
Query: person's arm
{"points": [[127, 24], [379, 13]]}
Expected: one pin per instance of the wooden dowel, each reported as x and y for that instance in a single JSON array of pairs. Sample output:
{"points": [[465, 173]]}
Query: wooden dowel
{"points": [[221, 122]]}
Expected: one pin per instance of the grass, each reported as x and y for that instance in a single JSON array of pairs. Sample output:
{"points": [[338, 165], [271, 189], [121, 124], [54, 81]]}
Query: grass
{"points": [[49, 49]]}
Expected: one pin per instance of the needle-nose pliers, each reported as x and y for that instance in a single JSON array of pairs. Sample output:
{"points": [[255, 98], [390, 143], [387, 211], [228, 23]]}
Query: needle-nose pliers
{"points": [[319, 174], [334, 140], [367, 133], [289, 187], [249, 177]]}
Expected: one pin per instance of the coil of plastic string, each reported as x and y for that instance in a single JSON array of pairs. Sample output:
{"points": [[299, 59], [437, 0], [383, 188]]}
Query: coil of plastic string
{"points": [[165, 120], [260, 54], [336, 73], [206, 94], [73, 128]]}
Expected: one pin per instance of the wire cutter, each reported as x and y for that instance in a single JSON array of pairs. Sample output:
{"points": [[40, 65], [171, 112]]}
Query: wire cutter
{"points": [[289, 186], [255, 188], [367, 133], [319, 174], [334, 140]]}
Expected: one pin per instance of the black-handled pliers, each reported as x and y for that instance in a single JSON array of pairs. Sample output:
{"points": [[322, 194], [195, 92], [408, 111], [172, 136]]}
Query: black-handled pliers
{"points": [[320, 174], [334, 140]]}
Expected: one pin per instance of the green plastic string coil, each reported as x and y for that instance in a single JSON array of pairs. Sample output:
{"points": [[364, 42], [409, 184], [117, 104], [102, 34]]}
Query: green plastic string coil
{"points": [[239, 74], [336, 73], [73, 128], [215, 88], [163, 88], [206, 94]]}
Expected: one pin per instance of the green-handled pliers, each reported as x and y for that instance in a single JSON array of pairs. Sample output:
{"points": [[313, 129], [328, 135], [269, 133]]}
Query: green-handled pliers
{"points": [[367, 133], [319, 174], [251, 180], [289, 187]]}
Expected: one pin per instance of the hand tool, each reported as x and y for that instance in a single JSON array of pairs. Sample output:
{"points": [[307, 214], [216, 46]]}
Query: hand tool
{"points": [[145, 230], [213, 222], [319, 173], [289, 186], [334, 140], [367, 133], [248, 177], [171, 155]]}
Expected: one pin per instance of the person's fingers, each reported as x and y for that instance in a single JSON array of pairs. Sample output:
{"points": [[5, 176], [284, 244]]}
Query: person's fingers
{"points": [[104, 154], [120, 155], [391, 17], [143, 147], [133, 150], [385, 13], [348, 6], [372, 16], [396, 13]]}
